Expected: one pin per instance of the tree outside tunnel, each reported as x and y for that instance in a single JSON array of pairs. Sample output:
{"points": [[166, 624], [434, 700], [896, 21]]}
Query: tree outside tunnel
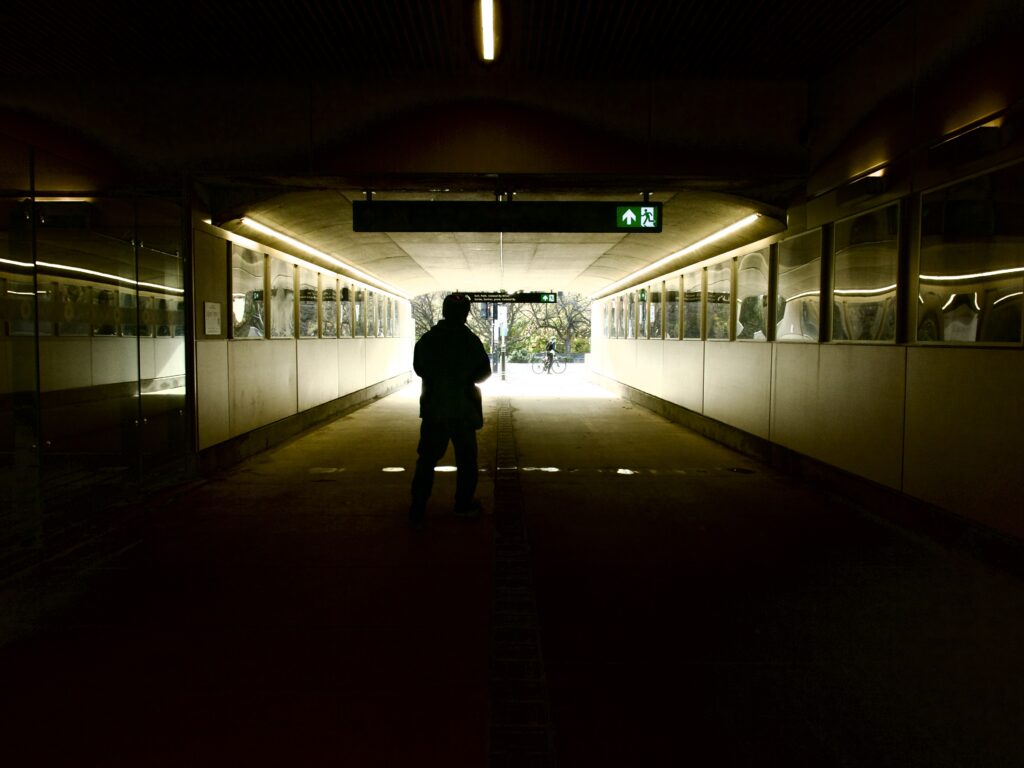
{"points": [[529, 326]]}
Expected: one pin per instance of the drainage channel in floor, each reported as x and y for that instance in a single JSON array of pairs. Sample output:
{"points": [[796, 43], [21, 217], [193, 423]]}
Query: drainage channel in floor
{"points": [[520, 731]]}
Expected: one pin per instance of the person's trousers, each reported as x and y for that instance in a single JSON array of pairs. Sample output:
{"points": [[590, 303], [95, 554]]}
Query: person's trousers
{"points": [[435, 435]]}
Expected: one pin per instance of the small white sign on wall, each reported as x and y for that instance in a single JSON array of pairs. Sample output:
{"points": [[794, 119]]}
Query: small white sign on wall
{"points": [[212, 314]]}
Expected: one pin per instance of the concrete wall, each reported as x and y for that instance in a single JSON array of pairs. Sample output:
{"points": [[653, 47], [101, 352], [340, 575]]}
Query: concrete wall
{"points": [[245, 384], [939, 424]]}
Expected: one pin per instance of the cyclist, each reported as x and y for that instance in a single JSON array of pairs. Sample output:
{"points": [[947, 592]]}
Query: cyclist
{"points": [[550, 354]]}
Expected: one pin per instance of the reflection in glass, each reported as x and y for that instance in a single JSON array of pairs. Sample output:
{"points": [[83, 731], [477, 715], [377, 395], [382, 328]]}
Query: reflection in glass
{"points": [[864, 276], [641, 305], [282, 299], [719, 297], [308, 327], [346, 311], [672, 309], [74, 309], [692, 304], [752, 296], [371, 314], [972, 260], [132, 309], [329, 306], [655, 314], [246, 293], [613, 319], [105, 315], [631, 315], [359, 322], [799, 281]]}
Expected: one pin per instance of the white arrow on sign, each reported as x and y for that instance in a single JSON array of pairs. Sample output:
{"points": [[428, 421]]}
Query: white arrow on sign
{"points": [[629, 217]]}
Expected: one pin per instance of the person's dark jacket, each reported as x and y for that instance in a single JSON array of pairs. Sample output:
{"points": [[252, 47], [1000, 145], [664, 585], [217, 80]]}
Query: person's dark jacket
{"points": [[451, 361]]}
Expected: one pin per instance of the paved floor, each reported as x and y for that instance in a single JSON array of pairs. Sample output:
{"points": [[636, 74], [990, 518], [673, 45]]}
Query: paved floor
{"points": [[694, 608]]}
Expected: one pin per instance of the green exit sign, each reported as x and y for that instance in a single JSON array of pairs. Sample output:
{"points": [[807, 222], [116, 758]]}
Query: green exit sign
{"points": [[536, 297], [637, 217]]}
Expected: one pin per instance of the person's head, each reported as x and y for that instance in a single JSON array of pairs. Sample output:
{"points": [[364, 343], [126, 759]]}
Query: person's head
{"points": [[455, 307]]}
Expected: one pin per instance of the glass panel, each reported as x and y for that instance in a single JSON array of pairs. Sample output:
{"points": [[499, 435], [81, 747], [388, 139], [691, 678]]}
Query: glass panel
{"points": [[18, 384], [329, 306], [90, 406], [371, 314], [864, 277], [359, 327], [613, 318], [672, 309], [134, 310], [691, 305], [752, 296], [74, 297], [799, 287], [654, 317], [972, 260], [308, 326], [631, 315], [641, 314], [719, 298], [164, 424], [346, 311], [247, 293], [282, 299]]}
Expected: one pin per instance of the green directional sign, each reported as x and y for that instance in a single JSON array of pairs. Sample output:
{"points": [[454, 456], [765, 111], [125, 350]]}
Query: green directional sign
{"points": [[522, 297], [638, 217]]}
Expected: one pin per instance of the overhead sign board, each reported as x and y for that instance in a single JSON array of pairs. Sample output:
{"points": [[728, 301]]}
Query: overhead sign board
{"points": [[468, 216], [522, 297]]}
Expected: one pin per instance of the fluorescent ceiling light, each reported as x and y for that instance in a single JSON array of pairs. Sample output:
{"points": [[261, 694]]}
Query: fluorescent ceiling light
{"points": [[864, 291], [125, 280], [972, 275], [725, 232], [80, 270], [487, 28], [321, 255], [1007, 296]]}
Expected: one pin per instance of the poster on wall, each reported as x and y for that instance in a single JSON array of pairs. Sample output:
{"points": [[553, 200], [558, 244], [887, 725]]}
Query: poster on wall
{"points": [[212, 314]]}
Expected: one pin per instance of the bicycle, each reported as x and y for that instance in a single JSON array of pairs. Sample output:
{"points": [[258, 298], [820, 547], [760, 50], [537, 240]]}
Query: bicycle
{"points": [[539, 363]]}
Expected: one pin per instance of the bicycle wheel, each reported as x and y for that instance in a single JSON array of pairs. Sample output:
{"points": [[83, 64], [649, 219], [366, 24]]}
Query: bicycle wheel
{"points": [[537, 364], [558, 366]]}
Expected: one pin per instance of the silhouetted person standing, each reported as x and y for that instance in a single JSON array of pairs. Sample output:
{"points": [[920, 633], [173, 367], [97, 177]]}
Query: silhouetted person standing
{"points": [[451, 361]]}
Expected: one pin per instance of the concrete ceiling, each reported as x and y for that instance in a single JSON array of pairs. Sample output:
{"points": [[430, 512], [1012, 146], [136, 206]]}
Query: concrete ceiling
{"points": [[421, 262], [290, 111]]}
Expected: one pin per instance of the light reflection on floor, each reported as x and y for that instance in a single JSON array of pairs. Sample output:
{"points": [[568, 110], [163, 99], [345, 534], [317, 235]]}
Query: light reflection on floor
{"points": [[520, 381]]}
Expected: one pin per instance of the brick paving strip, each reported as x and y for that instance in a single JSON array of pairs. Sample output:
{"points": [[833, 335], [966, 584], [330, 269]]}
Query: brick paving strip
{"points": [[520, 732]]}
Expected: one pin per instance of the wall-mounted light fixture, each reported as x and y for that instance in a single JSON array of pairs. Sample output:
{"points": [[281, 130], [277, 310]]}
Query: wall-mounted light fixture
{"points": [[488, 26], [288, 239], [866, 184], [967, 144], [714, 236]]}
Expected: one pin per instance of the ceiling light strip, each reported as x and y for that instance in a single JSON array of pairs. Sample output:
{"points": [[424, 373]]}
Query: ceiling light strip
{"points": [[487, 28], [259, 227], [125, 280], [725, 232], [973, 275]]}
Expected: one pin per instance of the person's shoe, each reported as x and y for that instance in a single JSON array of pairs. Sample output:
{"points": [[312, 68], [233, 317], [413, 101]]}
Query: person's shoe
{"points": [[470, 509]]}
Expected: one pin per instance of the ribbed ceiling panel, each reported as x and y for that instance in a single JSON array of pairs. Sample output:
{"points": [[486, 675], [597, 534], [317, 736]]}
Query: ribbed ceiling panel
{"points": [[588, 38]]}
